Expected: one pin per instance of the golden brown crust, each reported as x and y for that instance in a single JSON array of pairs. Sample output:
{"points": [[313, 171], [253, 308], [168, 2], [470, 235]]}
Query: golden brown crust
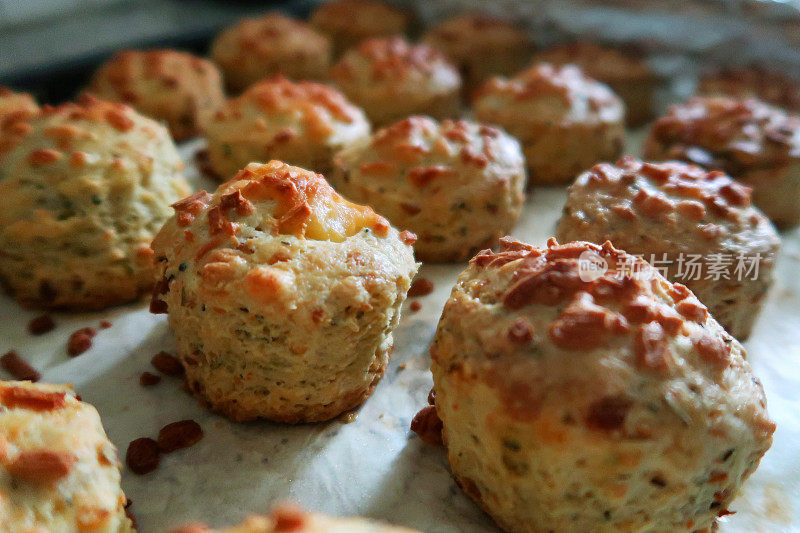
{"points": [[457, 185], [564, 388], [349, 22], [392, 78], [268, 45], [86, 185], [756, 143], [564, 120], [673, 213], [168, 85], [623, 70], [481, 46], [301, 123], [282, 294]]}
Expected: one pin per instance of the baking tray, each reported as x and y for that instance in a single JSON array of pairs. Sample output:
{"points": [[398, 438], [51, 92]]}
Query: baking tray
{"points": [[372, 466]]}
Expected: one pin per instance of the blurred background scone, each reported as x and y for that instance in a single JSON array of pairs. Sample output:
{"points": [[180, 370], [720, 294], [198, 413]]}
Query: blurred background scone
{"points": [[281, 294], [16, 105], [303, 123], [392, 79], [565, 121], [698, 227], [58, 470], [167, 85], [624, 71], [272, 44], [458, 185], [575, 399], [84, 187], [757, 144], [481, 46], [286, 518], [348, 22], [767, 85]]}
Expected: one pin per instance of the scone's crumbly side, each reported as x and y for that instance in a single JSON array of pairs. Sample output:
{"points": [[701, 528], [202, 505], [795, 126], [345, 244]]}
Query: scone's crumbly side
{"points": [[392, 79], [348, 22], [303, 124], [59, 473], [755, 143], [84, 187], [285, 518], [579, 401], [457, 185], [769, 86], [269, 45], [168, 85], [14, 106], [565, 121], [670, 212], [481, 46], [282, 295], [625, 71]]}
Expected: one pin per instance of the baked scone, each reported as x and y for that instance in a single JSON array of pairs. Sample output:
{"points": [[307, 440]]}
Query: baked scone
{"points": [[84, 187], [167, 85], [565, 121], [481, 46], [625, 71], [348, 22], [289, 518], [281, 294], [769, 86], [16, 105], [392, 79], [303, 123], [459, 186], [757, 144], [697, 227], [273, 44], [58, 470], [578, 399]]}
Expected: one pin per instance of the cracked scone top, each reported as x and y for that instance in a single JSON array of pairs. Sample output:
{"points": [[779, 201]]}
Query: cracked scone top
{"points": [[281, 294], [84, 187], [757, 144], [348, 22], [392, 79], [674, 212], [574, 399], [273, 44], [286, 518], [301, 123], [624, 71], [59, 473], [457, 185], [481, 46], [565, 121], [167, 85]]}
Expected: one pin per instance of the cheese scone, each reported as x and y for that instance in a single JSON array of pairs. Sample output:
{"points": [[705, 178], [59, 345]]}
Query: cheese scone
{"points": [[281, 294]]}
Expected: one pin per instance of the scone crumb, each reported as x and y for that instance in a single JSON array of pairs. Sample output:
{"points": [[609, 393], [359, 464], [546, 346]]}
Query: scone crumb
{"points": [[179, 435], [80, 341], [148, 379], [41, 325], [142, 456], [167, 364], [18, 367], [428, 426], [420, 287], [415, 306]]}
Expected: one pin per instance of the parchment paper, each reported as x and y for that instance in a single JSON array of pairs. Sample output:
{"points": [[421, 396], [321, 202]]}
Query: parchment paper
{"points": [[373, 466]]}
